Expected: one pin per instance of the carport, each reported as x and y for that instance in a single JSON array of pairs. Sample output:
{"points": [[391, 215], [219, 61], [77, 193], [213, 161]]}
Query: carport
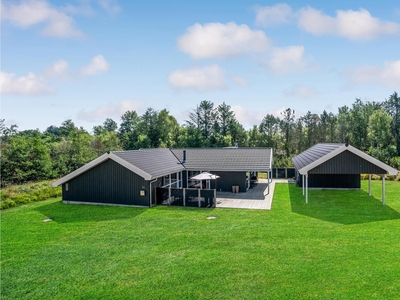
{"points": [[337, 166]]}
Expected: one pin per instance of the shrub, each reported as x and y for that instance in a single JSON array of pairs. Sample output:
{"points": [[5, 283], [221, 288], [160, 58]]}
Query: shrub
{"points": [[23, 194]]}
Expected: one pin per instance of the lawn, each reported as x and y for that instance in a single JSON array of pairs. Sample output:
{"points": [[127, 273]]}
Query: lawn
{"points": [[342, 245]]}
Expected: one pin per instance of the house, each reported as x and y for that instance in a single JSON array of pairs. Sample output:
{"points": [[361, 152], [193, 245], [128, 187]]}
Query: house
{"points": [[337, 166], [131, 177]]}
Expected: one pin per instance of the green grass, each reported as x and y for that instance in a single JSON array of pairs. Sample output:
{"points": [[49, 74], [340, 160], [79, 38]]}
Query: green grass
{"points": [[342, 245]]}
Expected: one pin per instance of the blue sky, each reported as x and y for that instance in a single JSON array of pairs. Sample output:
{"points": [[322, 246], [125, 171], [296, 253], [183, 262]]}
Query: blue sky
{"points": [[91, 60]]}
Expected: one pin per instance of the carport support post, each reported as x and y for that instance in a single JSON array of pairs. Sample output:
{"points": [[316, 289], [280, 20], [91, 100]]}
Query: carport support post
{"points": [[302, 182], [383, 190], [184, 197], [307, 188], [369, 185]]}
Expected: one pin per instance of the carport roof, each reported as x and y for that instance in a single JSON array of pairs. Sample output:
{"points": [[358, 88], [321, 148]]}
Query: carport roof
{"points": [[322, 152]]}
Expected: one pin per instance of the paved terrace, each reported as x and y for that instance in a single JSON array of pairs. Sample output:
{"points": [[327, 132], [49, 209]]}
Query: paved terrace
{"points": [[255, 198]]}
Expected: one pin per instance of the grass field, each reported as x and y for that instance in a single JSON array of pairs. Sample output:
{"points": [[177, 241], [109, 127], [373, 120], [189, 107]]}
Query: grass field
{"points": [[342, 245]]}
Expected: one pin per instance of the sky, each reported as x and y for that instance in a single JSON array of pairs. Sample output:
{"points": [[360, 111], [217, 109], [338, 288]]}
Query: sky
{"points": [[88, 60]]}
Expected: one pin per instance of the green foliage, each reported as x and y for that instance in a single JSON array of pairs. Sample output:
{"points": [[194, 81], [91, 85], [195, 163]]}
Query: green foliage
{"points": [[32, 192], [30, 155], [378, 129]]}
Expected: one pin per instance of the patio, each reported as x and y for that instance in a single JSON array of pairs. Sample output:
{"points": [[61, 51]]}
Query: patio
{"points": [[255, 198]]}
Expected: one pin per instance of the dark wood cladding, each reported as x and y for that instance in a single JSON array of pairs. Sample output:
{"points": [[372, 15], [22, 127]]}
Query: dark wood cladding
{"points": [[108, 182], [342, 181], [332, 181], [227, 179], [347, 163]]}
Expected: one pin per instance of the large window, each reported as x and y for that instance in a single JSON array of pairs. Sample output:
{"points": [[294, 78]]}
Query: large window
{"points": [[173, 180]]}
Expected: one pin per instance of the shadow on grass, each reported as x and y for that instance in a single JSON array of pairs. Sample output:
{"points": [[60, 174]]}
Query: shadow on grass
{"points": [[69, 213], [340, 206]]}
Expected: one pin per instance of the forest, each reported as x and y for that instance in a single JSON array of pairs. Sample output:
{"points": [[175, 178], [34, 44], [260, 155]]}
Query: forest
{"points": [[32, 155]]}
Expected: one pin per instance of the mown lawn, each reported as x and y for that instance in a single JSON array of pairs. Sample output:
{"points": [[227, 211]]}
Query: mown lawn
{"points": [[342, 245]]}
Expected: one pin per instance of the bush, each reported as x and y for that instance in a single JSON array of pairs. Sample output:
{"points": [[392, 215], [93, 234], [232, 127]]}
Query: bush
{"points": [[23, 194]]}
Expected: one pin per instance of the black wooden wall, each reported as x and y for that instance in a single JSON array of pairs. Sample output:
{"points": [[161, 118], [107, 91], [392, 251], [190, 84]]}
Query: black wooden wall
{"points": [[336, 181], [347, 163], [108, 182], [227, 179]]}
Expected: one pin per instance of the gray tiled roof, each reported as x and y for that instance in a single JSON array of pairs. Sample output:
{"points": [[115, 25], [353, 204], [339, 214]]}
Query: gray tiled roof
{"points": [[312, 154], [226, 159], [156, 162]]}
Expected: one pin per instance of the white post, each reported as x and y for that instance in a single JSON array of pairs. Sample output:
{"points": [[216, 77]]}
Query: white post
{"points": [[383, 190], [307, 188], [169, 194], [170, 180], [302, 182], [369, 185], [184, 197]]}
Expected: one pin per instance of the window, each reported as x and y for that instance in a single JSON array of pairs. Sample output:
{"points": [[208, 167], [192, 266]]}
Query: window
{"points": [[66, 187]]}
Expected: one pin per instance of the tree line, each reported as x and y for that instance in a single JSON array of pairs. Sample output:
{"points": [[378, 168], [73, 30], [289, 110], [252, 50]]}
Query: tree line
{"points": [[31, 155]]}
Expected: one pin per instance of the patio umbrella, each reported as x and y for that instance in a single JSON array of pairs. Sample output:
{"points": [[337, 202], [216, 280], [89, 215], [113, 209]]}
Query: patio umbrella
{"points": [[204, 176]]}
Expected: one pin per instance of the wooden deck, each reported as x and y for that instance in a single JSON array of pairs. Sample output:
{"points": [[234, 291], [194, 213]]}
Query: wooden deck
{"points": [[255, 198]]}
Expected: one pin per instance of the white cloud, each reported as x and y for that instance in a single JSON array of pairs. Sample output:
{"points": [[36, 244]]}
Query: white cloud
{"points": [[301, 91], [354, 25], [240, 81], [221, 40], [388, 75], [58, 69], [24, 85], [110, 6], [200, 79], [97, 65], [31, 12], [270, 15], [287, 60], [110, 110]]}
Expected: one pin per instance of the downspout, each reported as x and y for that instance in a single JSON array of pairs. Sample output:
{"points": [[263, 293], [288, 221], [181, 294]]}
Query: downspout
{"points": [[151, 190]]}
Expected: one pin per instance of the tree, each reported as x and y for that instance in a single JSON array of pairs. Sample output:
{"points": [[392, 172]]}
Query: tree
{"points": [[379, 129], [25, 158], [149, 127], [287, 125], [392, 106], [67, 127], [270, 127], [343, 120], [110, 125], [310, 124], [332, 125], [169, 130], [129, 130], [224, 118], [203, 118]]}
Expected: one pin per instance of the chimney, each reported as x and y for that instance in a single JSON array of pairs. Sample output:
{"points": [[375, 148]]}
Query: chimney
{"points": [[184, 156]]}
